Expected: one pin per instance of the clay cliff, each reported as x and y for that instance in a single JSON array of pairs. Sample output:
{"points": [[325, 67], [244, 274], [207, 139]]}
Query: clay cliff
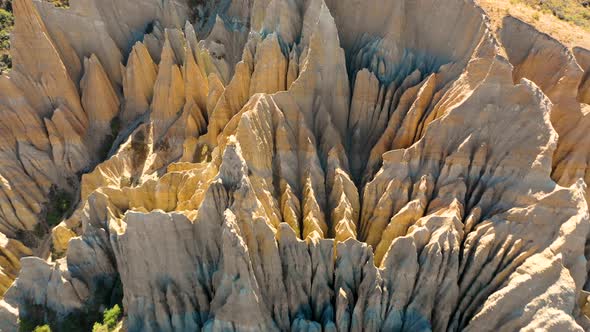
{"points": [[292, 165]]}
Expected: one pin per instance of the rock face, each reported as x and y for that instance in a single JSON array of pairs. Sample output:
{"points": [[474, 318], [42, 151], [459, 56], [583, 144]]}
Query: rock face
{"points": [[294, 165]]}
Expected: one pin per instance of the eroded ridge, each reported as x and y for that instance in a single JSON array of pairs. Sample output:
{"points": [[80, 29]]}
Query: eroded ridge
{"points": [[293, 165]]}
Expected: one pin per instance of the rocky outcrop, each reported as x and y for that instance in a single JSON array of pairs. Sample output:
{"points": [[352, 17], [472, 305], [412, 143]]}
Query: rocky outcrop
{"points": [[11, 252], [294, 165], [563, 80]]}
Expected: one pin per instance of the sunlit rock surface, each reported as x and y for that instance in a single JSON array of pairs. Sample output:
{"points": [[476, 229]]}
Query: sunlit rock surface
{"points": [[294, 165]]}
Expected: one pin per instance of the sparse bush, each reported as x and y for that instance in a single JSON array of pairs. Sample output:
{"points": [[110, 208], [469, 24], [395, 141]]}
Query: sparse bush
{"points": [[6, 24], [110, 320], [60, 3], [59, 203], [33, 316], [98, 327], [111, 316], [570, 11], [33, 324], [43, 328], [138, 144], [6, 4], [5, 62], [163, 145]]}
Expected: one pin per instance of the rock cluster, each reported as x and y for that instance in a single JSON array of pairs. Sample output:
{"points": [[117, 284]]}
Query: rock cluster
{"points": [[294, 165]]}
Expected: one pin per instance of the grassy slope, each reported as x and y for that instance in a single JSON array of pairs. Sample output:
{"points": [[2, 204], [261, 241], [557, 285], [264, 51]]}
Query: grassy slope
{"points": [[6, 23], [566, 20], [572, 11]]}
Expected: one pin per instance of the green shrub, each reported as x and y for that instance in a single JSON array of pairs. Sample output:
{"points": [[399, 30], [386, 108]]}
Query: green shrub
{"points": [[98, 327], [60, 3], [59, 203], [570, 11], [29, 326], [6, 23], [110, 320], [5, 61], [6, 4], [111, 316], [43, 328], [6, 19], [38, 318]]}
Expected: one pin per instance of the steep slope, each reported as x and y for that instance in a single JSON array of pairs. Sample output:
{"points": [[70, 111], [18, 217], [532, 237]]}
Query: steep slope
{"points": [[293, 165], [568, 21]]}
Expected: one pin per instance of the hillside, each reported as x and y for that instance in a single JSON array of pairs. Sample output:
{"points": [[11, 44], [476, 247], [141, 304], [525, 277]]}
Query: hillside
{"points": [[295, 165], [565, 20]]}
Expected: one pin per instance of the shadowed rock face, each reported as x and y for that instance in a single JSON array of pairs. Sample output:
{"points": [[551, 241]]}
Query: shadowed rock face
{"points": [[294, 165]]}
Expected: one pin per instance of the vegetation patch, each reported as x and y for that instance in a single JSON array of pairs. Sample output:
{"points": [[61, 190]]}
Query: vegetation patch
{"points": [[109, 140], [60, 3], [163, 145], [73, 322], [6, 25], [204, 12], [572, 11], [110, 319], [139, 145], [43, 328], [55, 255], [107, 292], [60, 202], [26, 325]]}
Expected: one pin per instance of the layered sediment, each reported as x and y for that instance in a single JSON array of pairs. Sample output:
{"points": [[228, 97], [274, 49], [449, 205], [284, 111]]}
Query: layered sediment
{"points": [[293, 165]]}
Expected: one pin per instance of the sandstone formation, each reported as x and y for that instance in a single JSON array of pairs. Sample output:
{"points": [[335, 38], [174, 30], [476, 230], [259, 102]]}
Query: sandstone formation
{"points": [[293, 165]]}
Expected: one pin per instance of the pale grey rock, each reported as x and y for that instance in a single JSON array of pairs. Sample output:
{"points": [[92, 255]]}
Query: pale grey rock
{"points": [[298, 165]]}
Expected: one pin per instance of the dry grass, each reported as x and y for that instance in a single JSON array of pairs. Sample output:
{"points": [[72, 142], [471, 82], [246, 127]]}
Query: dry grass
{"points": [[566, 20], [6, 23], [570, 11], [60, 3]]}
